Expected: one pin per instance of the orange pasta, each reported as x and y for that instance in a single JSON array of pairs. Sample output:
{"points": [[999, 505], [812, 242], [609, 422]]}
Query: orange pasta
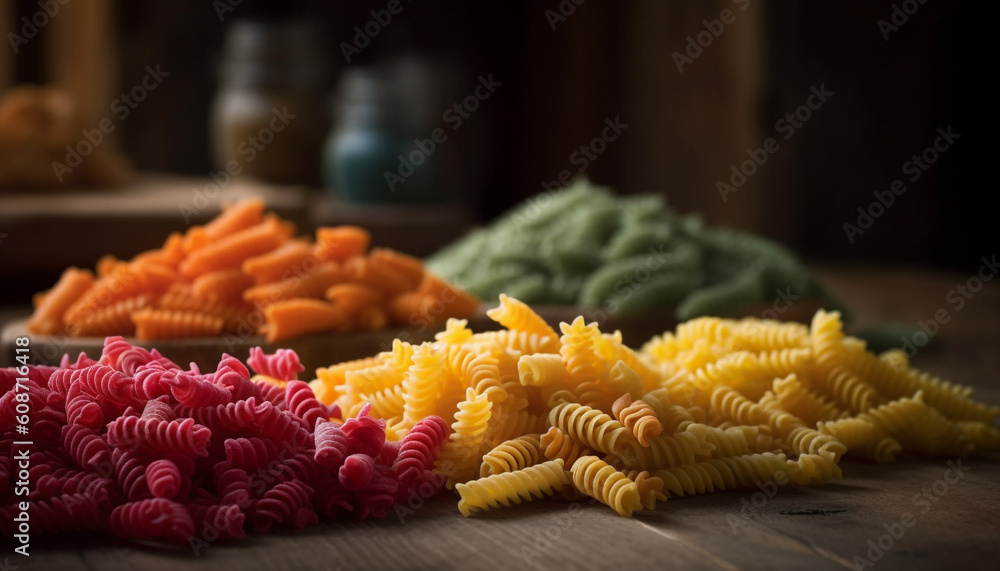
{"points": [[195, 239], [231, 251], [409, 267], [231, 220], [309, 285], [407, 309], [39, 298], [48, 317], [237, 317], [153, 277], [353, 298], [389, 282], [341, 242], [229, 275], [371, 318], [170, 254], [107, 264], [300, 317], [235, 217], [222, 285], [456, 302], [123, 282], [281, 263], [174, 324], [115, 319]]}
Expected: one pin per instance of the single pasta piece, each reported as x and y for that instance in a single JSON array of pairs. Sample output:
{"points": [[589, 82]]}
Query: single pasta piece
{"points": [[290, 259], [555, 444], [230, 251], [516, 315], [222, 285], [407, 309], [638, 417], [599, 480], [48, 316], [236, 316], [339, 243], [379, 277], [590, 427], [491, 492], [174, 324], [353, 298], [456, 302], [115, 319], [310, 284], [542, 369], [650, 488], [412, 269], [123, 282], [170, 254], [232, 219], [296, 317], [512, 455], [38, 298], [107, 264]]}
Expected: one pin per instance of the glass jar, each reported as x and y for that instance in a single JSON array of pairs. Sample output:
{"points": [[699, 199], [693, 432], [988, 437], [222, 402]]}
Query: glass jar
{"points": [[373, 154], [270, 115]]}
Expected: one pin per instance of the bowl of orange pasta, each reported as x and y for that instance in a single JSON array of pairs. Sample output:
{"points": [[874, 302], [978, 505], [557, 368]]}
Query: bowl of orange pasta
{"points": [[246, 278]]}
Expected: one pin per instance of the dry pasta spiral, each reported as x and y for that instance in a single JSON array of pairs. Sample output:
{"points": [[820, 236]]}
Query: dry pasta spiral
{"points": [[493, 491], [511, 455], [598, 479], [638, 417]]}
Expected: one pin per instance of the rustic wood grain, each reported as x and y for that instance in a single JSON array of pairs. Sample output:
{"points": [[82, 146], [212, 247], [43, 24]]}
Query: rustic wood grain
{"points": [[815, 528]]}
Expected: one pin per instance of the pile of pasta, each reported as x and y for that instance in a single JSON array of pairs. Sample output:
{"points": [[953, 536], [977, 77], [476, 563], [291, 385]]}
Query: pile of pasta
{"points": [[135, 446], [715, 405], [585, 247], [243, 273]]}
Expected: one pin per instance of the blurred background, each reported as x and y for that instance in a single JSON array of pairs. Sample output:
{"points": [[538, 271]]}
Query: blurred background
{"points": [[420, 119]]}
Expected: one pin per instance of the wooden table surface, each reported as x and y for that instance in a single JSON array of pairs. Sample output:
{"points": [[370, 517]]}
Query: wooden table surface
{"points": [[823, 527]]}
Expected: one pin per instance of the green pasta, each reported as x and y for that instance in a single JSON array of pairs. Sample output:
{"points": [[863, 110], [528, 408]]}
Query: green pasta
{"points": [[531, 288], [724, 298], [628, 255], [636, 239], [663, 288]]}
